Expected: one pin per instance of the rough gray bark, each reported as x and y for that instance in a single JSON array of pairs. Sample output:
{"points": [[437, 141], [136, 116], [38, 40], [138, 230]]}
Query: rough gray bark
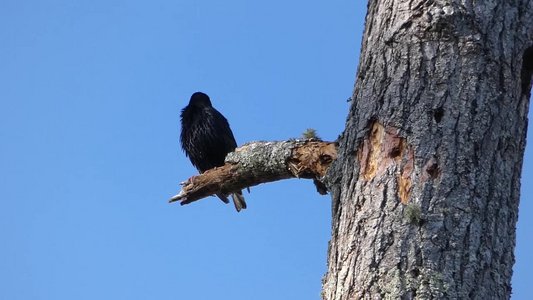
{"points": [[426, 185]]}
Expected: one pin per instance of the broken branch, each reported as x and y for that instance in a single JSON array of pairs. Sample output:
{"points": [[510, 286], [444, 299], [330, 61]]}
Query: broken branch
{"points": [[260, 162]]}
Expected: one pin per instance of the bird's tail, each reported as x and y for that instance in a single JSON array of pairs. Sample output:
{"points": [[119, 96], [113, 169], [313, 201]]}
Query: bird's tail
{"points": [[238, 200]]}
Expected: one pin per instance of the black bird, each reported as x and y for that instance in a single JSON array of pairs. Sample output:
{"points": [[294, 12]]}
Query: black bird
{"points": [[206, 139]]}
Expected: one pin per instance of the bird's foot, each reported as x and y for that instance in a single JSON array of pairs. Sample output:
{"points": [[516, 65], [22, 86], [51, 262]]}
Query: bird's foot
{"points": [[188, 181]]}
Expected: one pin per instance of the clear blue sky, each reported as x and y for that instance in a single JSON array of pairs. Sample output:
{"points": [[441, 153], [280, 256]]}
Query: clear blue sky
{"points": [[90, 95]]}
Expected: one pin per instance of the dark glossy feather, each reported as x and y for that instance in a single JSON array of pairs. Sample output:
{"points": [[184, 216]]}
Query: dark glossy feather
{"points": [[206, 138]]}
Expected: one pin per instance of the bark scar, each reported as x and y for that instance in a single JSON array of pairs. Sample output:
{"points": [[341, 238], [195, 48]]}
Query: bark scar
{"points": [[384, 150]]}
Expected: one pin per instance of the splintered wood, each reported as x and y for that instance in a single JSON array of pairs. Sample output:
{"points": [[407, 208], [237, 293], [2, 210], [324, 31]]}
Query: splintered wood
{"points": [[312, 159]]}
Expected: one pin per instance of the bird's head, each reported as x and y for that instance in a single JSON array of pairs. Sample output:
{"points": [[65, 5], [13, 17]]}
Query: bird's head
{"points": [[200, 99]]}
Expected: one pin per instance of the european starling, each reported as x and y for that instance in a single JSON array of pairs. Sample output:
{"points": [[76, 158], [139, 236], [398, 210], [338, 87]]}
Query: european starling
{"points": [[206, 139]]}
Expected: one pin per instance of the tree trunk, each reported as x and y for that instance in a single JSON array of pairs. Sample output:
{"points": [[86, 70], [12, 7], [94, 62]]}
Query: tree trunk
{"points": [[426, 186]]}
